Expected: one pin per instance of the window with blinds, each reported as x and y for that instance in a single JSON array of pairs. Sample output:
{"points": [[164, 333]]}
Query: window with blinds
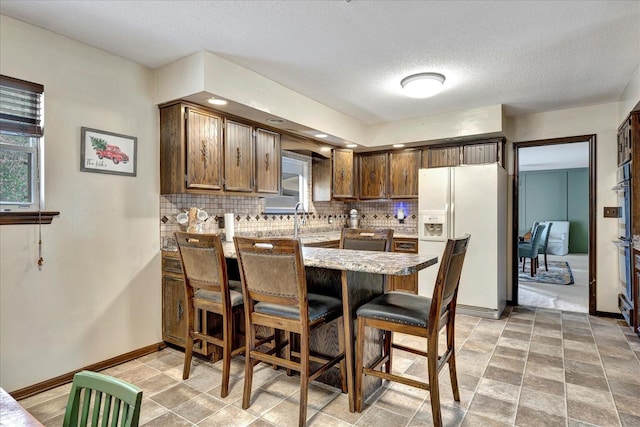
{"points": [[21, 132]]}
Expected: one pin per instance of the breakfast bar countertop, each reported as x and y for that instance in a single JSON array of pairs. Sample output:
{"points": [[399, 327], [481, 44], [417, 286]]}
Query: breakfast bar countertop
{"points": [[392, 263]]}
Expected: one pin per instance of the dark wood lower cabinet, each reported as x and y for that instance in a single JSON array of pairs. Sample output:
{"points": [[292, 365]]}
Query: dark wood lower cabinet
{"points": [[174, 307], [636, 289], [404, 283], [174, 310]]}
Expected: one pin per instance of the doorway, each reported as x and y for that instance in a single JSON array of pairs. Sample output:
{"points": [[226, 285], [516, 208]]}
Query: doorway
{"points": [[548, 189]]}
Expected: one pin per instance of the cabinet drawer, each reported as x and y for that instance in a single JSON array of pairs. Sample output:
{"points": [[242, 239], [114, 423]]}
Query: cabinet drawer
{"points": [[405, 245], [171, 264]]}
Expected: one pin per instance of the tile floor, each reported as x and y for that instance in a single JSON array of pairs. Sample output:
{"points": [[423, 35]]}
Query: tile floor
{"points": [[533, 367]]}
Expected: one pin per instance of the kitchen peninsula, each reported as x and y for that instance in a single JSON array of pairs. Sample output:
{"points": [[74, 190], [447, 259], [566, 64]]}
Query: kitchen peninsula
{"points": [[355, 276]]}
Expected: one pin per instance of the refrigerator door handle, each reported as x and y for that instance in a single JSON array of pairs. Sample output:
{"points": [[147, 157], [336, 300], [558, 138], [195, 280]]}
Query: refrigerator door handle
{"points": [[452, 201], [452, 223]]}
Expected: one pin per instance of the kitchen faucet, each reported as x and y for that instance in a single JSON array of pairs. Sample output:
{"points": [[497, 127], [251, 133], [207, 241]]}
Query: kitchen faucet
{"points": [[296, 221]]}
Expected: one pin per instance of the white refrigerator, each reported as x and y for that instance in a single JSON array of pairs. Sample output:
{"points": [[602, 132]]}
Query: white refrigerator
{"points": [[454, 201]]}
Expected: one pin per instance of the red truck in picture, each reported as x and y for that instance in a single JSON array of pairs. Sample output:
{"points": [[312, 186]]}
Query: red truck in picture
{"points": [[112, 152]]}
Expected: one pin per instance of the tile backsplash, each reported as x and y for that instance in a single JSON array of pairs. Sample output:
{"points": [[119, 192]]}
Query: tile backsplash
{"points": [[250, 218]]}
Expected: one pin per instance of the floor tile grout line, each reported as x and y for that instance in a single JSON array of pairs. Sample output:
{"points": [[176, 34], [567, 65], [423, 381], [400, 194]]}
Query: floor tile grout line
{"points": [[524, 369], [564, 369]]}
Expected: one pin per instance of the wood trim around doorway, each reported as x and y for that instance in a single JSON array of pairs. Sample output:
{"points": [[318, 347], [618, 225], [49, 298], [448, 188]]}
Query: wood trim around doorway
{"points": [[591, 139]]}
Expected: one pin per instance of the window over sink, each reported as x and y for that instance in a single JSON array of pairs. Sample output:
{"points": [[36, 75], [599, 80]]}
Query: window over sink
{"points": [[294, 186]]}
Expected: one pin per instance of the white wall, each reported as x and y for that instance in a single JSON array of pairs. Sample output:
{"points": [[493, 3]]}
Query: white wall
{"points": [[630, 98], [601, 120], [98, 293]]}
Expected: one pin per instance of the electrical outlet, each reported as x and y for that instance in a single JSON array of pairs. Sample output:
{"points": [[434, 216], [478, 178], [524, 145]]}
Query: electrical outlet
{"points": [[611, 212]]}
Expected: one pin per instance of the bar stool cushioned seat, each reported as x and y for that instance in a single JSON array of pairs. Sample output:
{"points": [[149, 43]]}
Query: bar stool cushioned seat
{"points": [[417, 316], [275, 294], [208, 290]]}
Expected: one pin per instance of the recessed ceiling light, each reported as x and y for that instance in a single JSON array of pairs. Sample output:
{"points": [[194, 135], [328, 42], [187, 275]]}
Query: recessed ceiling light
{"points": [[276, 121], [321, 135], [422, 85], [351, 145], [398, 145], [217, 101]]}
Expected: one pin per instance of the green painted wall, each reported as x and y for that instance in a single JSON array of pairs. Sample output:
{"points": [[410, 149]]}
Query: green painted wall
{"points": [[559, 194], [578, 210]]}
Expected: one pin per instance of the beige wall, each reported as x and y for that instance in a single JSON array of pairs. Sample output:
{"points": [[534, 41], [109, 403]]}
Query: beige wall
{"points": [[601, 120], [98, 293]]}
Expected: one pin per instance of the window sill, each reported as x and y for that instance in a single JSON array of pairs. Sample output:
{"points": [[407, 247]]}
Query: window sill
{"points": [[14, 218]]}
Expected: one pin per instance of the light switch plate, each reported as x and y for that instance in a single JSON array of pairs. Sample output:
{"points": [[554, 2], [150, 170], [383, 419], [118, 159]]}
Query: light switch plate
{"points": [[612, 212]]}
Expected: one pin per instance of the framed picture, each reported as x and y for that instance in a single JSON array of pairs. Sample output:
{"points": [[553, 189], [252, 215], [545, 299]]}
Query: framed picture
{"points": [[107, 152]]}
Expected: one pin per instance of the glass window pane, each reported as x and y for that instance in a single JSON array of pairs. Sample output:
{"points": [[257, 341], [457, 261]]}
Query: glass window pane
{"points": [[15, 177], [19, 140]]}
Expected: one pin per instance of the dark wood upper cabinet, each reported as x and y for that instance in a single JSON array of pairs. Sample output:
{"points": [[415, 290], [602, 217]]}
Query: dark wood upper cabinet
{"points": [[435, 157], [343, 174], [204, 150], [466, 153], [403, 174], [190, 150], [485, 152], [321, 179], [268, 164], [373, 175], [238, 157], [624, 141]]}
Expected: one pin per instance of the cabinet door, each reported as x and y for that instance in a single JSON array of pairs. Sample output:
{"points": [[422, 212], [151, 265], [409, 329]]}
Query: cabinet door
{"points": [[267, 161], [204, 166], [343, 174], [407, 283], [238, 157], [475, 154], [321, 179], [403, 175], [172, 149], [174, 311], [436, 157], [624, 143], [373, 176]]}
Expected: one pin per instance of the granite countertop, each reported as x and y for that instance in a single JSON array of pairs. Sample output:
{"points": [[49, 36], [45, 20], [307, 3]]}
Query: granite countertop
{"points": [[309, 238], [393, 263]]}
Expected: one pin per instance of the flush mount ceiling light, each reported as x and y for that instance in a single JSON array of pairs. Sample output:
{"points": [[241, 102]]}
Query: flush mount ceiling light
{"points": [[351, 145], [422, 85], [276, 121], [321, 135], [217, 101]]}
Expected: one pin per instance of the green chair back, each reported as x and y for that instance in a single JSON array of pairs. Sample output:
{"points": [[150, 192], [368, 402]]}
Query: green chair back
{"points": [[98, 399], [544, 239], [536, 239]]}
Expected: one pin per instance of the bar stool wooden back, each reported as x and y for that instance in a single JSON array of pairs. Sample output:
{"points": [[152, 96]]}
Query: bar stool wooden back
{"points": [[275, 294], [208, 290], [419, 316], [366, 239]]}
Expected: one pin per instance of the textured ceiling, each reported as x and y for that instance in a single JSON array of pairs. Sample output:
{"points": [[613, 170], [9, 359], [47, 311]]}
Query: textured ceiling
{"points": [[530, 56]]}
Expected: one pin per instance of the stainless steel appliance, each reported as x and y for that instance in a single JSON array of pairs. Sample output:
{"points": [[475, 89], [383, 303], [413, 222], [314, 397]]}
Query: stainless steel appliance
{"points": [[624, 243]]}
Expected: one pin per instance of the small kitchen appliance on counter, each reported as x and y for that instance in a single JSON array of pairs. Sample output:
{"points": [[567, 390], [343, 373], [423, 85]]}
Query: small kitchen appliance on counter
{"points": [[352, 222]]}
